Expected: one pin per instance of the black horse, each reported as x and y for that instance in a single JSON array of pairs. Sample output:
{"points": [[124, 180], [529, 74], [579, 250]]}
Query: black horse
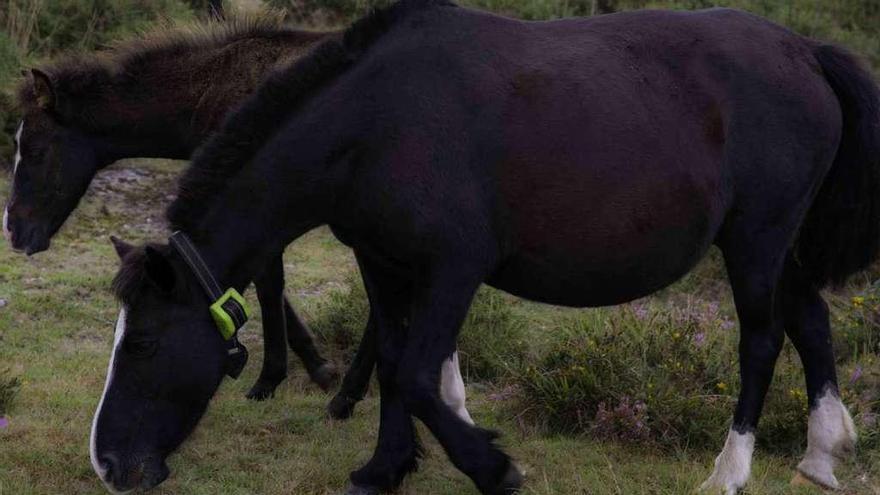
{"points": [[581, 162], [161, 96]]}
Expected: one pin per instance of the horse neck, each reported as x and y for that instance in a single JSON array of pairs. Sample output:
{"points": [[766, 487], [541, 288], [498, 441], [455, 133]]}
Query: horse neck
{"points": [[167, 106], [249, 225], [273, 201]]}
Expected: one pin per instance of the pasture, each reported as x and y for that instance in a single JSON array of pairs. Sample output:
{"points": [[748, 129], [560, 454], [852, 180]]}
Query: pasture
{"points": [[588, 400], [57, 332]]}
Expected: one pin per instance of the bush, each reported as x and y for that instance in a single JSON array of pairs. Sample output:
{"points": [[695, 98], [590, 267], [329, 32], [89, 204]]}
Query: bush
{"points": [[490, 342], [41, 28], [668, 376]]}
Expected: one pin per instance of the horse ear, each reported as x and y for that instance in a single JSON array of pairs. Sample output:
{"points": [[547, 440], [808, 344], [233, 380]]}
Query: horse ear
{"points": [[44, 89], [122, 247], [159, 270]]}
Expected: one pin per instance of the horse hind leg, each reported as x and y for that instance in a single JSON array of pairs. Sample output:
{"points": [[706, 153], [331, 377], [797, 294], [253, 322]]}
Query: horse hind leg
{"points": [[452, 390], [754, 270], [830, 433], [302, 343]]}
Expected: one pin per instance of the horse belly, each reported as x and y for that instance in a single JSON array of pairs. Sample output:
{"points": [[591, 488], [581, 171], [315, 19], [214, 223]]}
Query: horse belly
{"points": [[590, 242]]}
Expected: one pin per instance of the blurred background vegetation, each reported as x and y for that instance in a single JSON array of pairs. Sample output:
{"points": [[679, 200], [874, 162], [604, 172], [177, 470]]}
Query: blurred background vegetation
{"points": [[36, 30], [661, 371]]}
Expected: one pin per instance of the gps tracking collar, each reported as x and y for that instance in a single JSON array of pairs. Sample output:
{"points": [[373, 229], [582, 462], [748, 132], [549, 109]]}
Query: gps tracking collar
{"points": [[228, 309]]}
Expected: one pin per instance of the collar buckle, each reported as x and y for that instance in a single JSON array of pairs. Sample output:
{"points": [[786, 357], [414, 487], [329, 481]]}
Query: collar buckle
{"points": [[229, 310]]}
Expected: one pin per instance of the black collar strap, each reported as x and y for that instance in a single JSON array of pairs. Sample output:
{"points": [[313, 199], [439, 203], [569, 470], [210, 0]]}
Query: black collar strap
{"points": [[228, 309]]}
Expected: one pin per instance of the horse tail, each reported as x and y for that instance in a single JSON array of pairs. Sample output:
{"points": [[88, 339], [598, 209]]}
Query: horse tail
{"points": [[840, 235]]}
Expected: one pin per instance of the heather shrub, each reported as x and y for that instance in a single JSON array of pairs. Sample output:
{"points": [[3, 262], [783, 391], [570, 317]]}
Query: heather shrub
{"points": [[667, 376]]}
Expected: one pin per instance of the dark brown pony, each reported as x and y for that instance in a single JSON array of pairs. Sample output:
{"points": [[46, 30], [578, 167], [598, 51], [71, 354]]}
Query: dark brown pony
{"points": [[581, 162], [159, 96]]}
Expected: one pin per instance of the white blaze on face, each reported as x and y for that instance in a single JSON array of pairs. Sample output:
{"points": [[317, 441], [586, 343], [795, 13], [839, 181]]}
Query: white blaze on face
{"points": [[17, 147], [732, 466], [14, 171], [452, 388], [830, 435], [117, 341]]}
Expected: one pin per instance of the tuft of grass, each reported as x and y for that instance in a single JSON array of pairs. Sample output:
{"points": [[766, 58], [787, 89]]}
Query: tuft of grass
{"points": [[8, 387], [492, 341], [340, 317]]}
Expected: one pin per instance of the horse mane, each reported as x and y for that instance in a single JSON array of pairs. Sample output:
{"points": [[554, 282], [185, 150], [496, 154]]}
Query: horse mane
{"points": [[87, 76], [280, 95]]}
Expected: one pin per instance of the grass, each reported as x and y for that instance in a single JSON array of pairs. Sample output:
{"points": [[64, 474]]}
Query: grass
{"points": [[57, 331]]}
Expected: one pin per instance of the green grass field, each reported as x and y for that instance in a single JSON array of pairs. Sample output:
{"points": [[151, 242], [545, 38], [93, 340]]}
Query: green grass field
{"points": [[56, 333]]}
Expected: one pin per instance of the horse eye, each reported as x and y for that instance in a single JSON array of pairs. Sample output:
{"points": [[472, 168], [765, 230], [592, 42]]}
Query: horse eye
{"points": [[140, 348]]}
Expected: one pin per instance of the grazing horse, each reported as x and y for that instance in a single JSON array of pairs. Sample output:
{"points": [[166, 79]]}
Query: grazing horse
{"points": [[580, 162], [161, 96]]}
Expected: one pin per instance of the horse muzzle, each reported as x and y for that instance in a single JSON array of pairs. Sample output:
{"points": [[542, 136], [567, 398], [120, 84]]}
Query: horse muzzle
{"points": [[121, 476], [23, 235]]}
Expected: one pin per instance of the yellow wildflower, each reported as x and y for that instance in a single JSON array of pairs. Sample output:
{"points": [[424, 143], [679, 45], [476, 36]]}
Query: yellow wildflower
{"points": [[722, 386], [858, 301]]}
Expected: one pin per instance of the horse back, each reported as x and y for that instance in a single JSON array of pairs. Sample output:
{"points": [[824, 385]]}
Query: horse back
{"points": [[587, 154]]}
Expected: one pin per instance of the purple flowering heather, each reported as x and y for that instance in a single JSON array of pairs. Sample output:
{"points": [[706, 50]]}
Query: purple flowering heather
{"points": [[856, 374]]}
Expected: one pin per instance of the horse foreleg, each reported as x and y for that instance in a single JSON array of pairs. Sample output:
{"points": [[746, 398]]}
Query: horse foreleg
{"points": [[831, 433], [439, 308], [397, 449], [270, 292]]}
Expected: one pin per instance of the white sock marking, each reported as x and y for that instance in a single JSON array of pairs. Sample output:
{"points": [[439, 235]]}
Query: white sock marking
{"points": [[117, 340], [733, 465], [452, 390], [830, 435]]}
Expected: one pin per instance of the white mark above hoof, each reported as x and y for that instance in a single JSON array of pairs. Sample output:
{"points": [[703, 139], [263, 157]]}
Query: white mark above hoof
{"points": [[452, 390], [831, 435], [732, 466]]}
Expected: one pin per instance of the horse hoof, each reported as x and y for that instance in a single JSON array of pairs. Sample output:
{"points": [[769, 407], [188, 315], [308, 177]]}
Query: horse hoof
{"points": [[324, 376], [360, 490], [800, 480], [261, 391], [341, 407]]}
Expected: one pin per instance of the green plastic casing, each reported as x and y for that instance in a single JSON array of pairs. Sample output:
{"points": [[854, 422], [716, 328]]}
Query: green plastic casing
{"points": [[224, 322]]}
